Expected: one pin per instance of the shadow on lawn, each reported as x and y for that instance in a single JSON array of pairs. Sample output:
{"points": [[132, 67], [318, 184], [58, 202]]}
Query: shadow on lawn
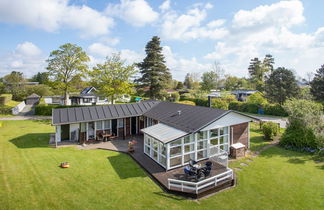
{"points": [[125, 167], [32, 140], [294, 156]]}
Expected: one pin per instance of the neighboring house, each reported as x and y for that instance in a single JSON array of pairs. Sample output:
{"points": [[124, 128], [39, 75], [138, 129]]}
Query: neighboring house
{"points": [[241, 95], [55, 100], [32, 99], [89, 96], [173, 133]]}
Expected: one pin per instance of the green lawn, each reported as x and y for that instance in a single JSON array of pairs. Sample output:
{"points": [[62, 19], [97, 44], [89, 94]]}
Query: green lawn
{"points": [[31, 179]]}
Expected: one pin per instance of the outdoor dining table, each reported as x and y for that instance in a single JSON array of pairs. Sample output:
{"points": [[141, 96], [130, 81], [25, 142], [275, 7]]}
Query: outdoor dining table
{"points": [[106, 136]]}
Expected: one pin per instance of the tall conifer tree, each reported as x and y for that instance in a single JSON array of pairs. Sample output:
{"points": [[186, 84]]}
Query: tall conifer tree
{"points": [[155, 73]]}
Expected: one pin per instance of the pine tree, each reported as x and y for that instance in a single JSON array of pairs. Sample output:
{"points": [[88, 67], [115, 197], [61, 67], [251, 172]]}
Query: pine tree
{"points": [[317, 84], [155, 73], [281, 85]]}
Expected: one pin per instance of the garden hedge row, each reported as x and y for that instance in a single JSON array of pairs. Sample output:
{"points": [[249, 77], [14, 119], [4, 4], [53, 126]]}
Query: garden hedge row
{"points": [[46, 110], [197, 101], [269, 109], [5, 98], [5, 110]]}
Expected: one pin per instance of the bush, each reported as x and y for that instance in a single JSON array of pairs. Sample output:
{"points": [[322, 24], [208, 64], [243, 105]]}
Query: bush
{"points": [[219, 103], [5, 110], [174, 96], [197, 101], [270, 130], [235, 105], [5, 98], [275, 109], [46, 110], [187, 102], [257, 98], [298, 136]]}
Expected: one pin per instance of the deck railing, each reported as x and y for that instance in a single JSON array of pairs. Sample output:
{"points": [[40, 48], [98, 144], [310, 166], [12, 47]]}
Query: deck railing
{"points": [[196, 186]]}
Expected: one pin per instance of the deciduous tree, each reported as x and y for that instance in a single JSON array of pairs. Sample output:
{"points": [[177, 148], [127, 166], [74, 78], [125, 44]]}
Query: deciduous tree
{"points": [[112, 78], [66, 63]]}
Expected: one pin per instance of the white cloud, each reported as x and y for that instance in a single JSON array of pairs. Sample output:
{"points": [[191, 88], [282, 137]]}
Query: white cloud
{"points": [[26, 58], [180, 66], [284, 13], [267, 29], [100, 49], [135, 12], [165, 5], [188, 26], [52, 15]]}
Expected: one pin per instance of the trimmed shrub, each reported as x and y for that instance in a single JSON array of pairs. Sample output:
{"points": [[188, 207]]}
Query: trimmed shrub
{"points": [[252, 108], [187, 102], [219, 103], [5, 110], [275, 109], [270, 130], [5, 98], [198, 101], [235, 105]]}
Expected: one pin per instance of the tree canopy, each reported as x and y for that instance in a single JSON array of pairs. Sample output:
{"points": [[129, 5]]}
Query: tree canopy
{"points": [[281, 85], [112, 78], [154, 72], [317, 84], [66, 63], [41, 77], [260, 70]]}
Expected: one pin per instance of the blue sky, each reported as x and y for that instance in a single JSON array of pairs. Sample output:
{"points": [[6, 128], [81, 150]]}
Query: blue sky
{"points": [[194, 34]]}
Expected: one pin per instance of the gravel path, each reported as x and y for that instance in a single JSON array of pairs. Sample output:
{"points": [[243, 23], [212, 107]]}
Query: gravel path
{"points": [[26, 118]]}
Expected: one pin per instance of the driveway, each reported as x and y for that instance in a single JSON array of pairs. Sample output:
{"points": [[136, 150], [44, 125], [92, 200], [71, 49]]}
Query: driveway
{"points": [[281, 120], [26, 118]]}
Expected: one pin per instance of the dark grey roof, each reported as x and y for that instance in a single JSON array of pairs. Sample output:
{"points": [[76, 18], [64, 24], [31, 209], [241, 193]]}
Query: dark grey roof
{"points": [[94, 113], [87, 90], [34, 95], [191, 118]]}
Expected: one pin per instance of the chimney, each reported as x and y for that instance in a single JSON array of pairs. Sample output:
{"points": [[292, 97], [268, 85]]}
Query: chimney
{"points": [[179, 112]]}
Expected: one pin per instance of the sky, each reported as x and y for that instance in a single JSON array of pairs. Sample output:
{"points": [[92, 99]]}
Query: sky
{"points": [[194, 34]]}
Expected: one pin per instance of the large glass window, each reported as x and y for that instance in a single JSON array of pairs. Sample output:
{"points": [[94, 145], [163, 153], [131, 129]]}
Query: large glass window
{"points": [[99, 125], [202, 145], [174, 151], [188, 157], [176, 161], [176, 142], [202, 135], [189, 148], [188, 139], [120, 123], [213, 133], [155, 149], [107, 124]]}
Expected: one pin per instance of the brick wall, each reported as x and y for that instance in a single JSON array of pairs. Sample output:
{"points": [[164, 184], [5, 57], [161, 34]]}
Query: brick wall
{"points": [[240, 134]]}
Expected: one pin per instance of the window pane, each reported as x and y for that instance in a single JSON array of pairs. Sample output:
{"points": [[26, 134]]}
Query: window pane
{"points": [[162, 149], [99, 125], [148, 140], [189, 148], [223, 140], [175, 151], [147, 150], [175, 161], [188, 139], [162, 160], [83, 127], [120, 123], [213, 133], [214, 141], [189, 157], [224, 147], [202, 145], [155, 155], [202, 154], [202, 135], [107, 124], [155, 145], [176, 142], [223, 131]]}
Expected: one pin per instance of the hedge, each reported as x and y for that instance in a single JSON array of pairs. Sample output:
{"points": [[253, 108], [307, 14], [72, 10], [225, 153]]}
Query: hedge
{"points": [[197, 101], [269, 109], [46, 110], [5, 110], [187, 102], [5, 98]]}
